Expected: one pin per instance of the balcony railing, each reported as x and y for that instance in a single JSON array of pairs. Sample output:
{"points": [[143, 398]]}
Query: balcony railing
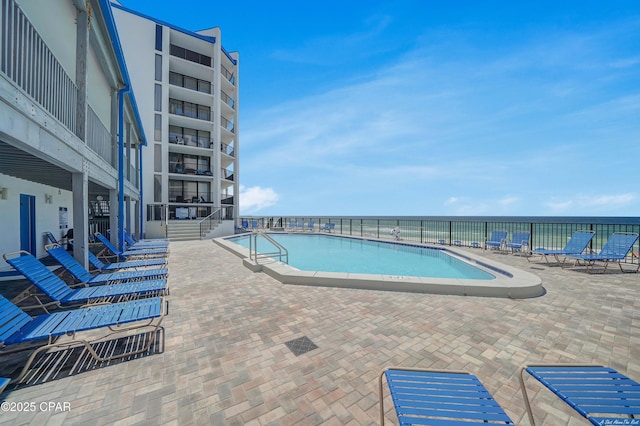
{"points": [[228, 75], [227, 174], [227, 124], [227, 149], [190, 197], [191, 141], [98, 136], [189, 171], [28, 62], [227, 99], [189, 109], [188, 82]]}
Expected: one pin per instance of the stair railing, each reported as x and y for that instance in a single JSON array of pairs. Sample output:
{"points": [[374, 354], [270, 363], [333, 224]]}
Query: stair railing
{"points": [[211, 221], [253, 248]]}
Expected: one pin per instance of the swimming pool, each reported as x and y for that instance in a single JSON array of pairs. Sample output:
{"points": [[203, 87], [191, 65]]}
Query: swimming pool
{"points": [[317, 252], [397, 266]]}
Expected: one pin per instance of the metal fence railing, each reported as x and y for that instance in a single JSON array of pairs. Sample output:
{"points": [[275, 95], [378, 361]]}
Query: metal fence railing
{"points": [[551, 233]]}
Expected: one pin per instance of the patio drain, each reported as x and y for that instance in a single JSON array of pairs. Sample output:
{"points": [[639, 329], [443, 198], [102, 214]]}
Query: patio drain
{"points": [[301, 345]]}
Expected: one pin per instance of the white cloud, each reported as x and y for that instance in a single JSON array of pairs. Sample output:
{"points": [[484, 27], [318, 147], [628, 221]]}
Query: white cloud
{"points": [[256, 198], [592, 204]]}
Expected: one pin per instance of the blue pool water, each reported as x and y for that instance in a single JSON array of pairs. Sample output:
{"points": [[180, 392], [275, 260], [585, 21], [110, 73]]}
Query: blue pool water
{"points": [[326, 253]]}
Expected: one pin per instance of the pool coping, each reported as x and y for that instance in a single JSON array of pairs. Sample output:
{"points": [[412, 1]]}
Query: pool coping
{"points": [[509, 282]]}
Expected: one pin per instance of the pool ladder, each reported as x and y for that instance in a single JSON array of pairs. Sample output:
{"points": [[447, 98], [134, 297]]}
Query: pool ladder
{"points": [[253, 248]]}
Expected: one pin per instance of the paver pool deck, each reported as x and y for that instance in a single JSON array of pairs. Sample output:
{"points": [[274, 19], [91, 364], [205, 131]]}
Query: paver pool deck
{"points": [[224, 359]]}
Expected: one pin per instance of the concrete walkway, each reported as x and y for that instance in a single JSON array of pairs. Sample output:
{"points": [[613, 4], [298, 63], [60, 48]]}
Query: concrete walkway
{"points": [[223, 358]]}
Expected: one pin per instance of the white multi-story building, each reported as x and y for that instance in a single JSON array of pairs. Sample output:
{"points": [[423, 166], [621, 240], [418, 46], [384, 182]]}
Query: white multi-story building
{"points": [[70, 132], [187, 90]]}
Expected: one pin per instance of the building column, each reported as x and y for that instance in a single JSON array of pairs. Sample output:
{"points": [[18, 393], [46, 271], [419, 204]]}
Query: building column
{"points": [[113, 216], [82, 52], [80, 188]]}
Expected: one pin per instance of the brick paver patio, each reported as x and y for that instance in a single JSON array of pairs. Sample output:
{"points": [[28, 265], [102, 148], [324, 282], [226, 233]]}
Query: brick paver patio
{"points": [[223, 358]]}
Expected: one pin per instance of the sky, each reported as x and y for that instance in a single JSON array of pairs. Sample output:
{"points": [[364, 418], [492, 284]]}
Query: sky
{"points": [[420, 108]]}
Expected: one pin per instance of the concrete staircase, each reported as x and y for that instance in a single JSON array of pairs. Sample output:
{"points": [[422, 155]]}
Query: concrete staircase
{"points": [[183, 230]]}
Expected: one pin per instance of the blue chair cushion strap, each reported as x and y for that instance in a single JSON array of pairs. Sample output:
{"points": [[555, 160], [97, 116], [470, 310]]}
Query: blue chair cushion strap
{"points": [[12, 319], [41, 276], [97, 263], [70, 263], [143, 252], [591, 390], [128, 275], [442, 398], [48, 325]]}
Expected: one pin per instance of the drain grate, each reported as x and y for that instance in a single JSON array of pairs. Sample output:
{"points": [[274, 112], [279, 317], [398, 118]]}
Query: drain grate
{"points": [[301, 345]]}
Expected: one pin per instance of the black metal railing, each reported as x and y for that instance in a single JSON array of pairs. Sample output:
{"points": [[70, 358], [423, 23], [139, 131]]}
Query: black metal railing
{"points": [[551, 233], [189, 82]]}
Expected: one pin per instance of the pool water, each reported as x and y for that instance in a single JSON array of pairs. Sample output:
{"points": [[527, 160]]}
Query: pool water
{"points": [[326, 253]]}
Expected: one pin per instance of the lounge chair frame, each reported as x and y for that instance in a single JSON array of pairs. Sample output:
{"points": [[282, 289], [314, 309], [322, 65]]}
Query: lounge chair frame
{"points": [[497, 240], [61, 294], [589, 389], [568, 248], [18, 327], [607, 254], [81, 274], [456, 396]]}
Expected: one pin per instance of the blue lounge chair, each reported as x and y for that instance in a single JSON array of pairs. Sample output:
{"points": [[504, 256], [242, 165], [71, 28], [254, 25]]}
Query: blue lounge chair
{"points": [[599, 394], [101, 266], [615, 249], [130, 253], [254, 224], [52, 239], [576, 245], [519, 241], [310, 225], [291, 226], [437, 397], [328, 227], [133, 244], [497, 240], [3, 383], [18, 327], [60, 293], [84, 276], [245, 225]]}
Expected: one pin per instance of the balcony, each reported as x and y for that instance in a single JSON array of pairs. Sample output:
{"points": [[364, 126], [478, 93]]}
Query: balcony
{"points": [[228, 149], [227, 100], [231, 78], [190, 83], [190, 197], [227, 124], [191, 141], [190, 55], [227, 174], [190, 110]]}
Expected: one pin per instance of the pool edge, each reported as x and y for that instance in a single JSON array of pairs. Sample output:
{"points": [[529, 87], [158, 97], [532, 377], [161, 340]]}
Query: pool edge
{"points": [[510, 282]]}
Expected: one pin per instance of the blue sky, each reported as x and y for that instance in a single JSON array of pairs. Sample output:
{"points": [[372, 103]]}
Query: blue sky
{"points": [[432, 107]]}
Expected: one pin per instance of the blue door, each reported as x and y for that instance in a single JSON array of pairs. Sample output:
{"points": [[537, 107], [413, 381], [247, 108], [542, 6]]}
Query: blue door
{"points": [[28, 223]]}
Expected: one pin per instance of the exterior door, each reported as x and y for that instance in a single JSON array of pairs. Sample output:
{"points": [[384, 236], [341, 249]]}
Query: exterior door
{"points": [[28, 223]]}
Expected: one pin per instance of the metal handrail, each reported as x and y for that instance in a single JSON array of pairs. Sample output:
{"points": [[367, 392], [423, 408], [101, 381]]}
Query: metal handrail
{"points": [[208, 219], [253, 248]]}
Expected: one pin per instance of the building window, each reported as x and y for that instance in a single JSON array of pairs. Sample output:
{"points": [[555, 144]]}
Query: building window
{"points": [[157, 128], [159, 37], [157, 188], [157, 102], [157, 157], [158, 67]]}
